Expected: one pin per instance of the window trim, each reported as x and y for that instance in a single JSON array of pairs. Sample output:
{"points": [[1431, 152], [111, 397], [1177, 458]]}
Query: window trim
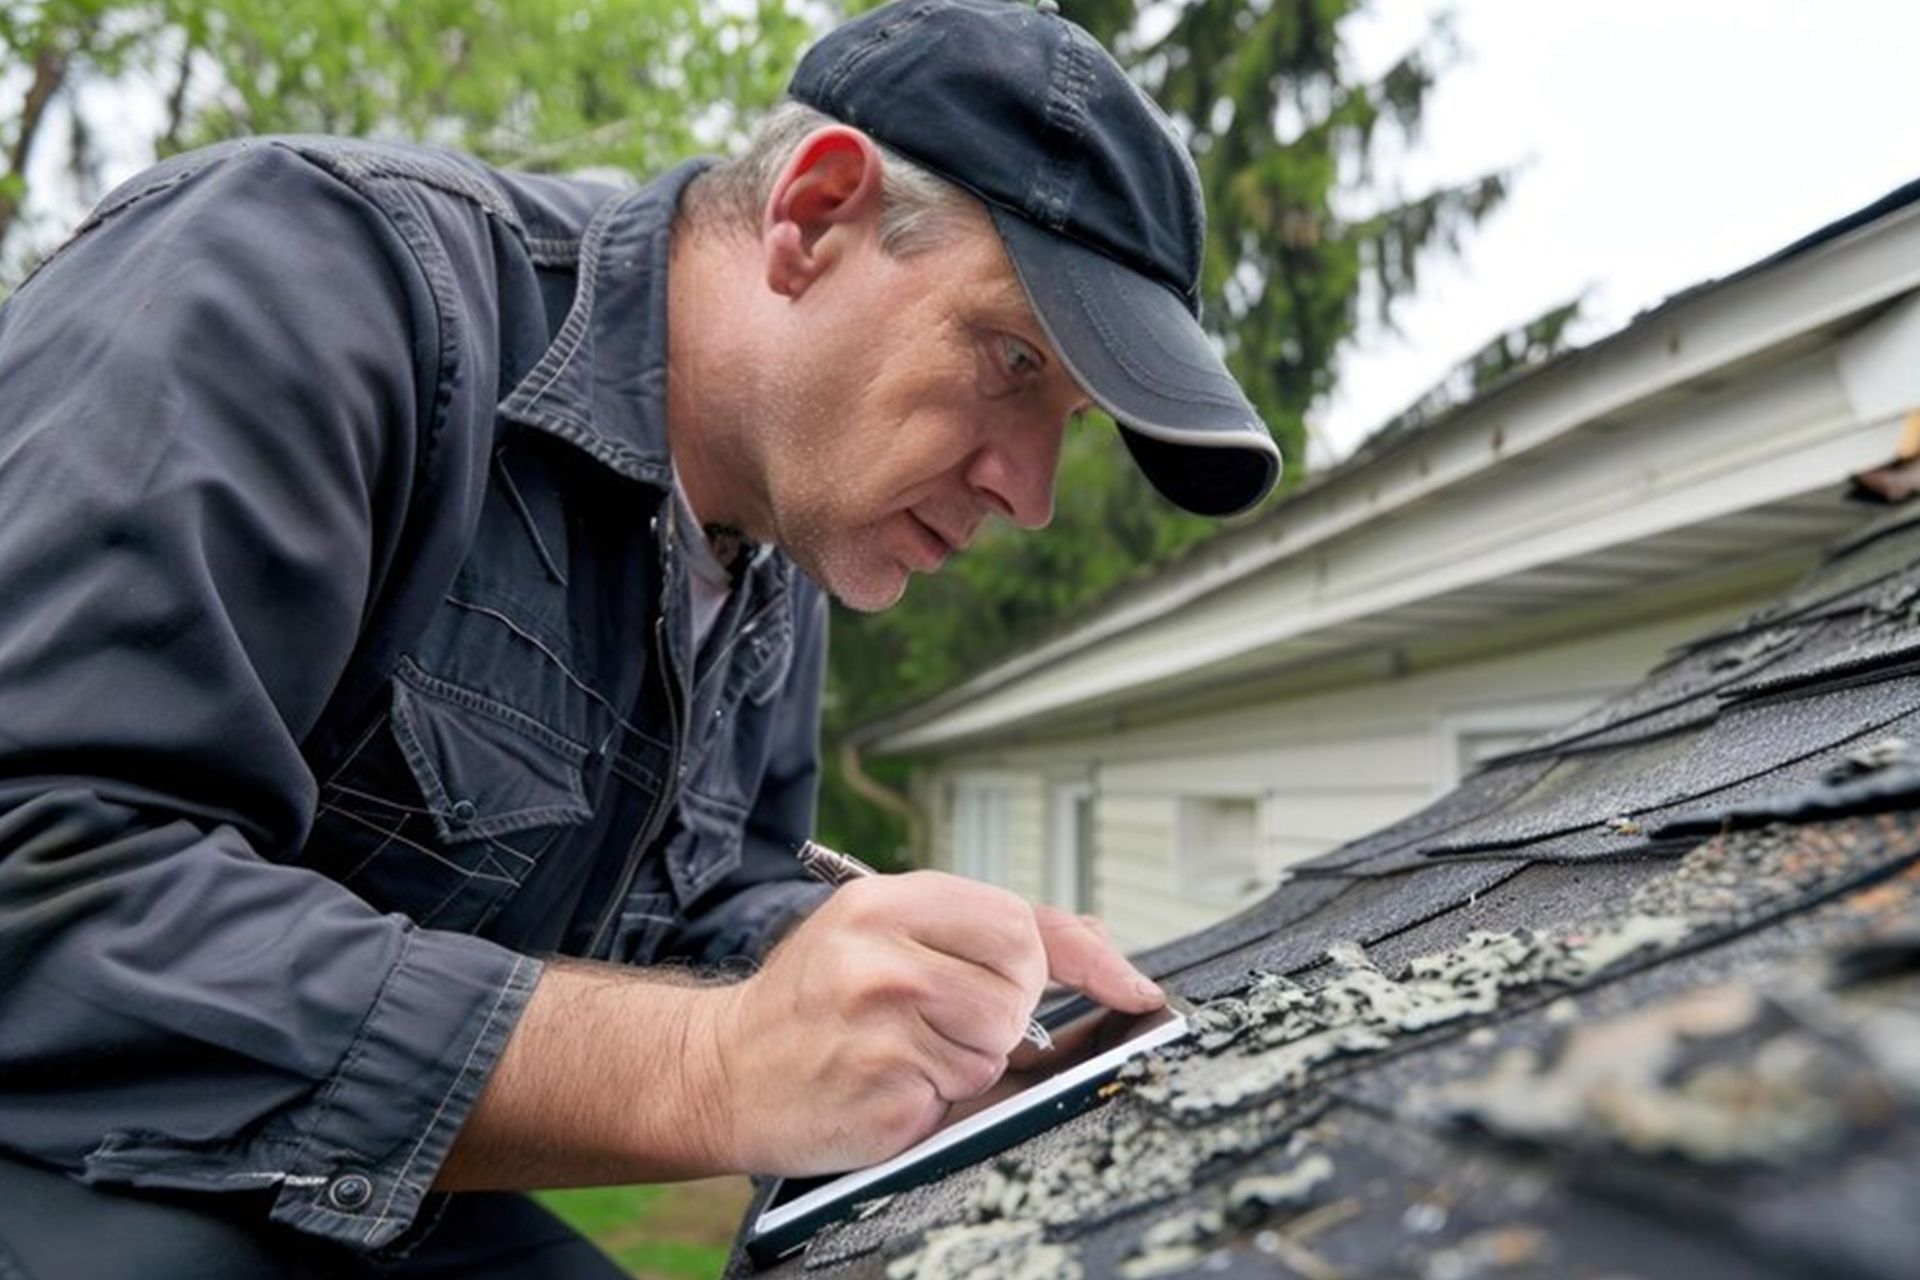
{"points": [[987, 860], [1070, 851]]}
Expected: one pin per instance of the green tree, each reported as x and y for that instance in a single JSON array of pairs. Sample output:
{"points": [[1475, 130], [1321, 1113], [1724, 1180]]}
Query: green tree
{"points": [[544, 84]]}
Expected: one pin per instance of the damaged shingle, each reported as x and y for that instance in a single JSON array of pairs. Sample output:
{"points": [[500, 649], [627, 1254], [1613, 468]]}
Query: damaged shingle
{"points": [[1136, 1159], [994, 1251], [1272, 1039], [1179, 1241], [1490, 1252], [1716, 1075], [1641, 1000]]}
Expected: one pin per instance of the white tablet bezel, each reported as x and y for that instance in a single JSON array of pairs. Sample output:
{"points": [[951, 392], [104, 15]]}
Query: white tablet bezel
{"points": [[847, 1187]]}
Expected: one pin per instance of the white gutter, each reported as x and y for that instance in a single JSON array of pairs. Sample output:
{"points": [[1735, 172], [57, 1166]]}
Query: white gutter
{"points": [[1696, 335]]}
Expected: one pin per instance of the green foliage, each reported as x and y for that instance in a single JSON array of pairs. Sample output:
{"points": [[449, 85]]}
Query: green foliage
{"points": [[46, 48], [548, 84], [543, 84], [647, 1229], [598, 1211], [846, 820]]}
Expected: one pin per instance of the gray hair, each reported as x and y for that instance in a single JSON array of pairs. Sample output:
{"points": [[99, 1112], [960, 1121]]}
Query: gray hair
{"points": [[919, 210]]}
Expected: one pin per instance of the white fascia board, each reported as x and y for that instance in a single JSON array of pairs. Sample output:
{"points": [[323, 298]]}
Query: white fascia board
{"points": [[1649, 481], [1684, 341], [1880, 365]]}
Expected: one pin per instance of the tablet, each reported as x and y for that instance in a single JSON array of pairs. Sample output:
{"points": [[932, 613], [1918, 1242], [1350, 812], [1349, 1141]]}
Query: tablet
{"points": [[1091, 1045]]}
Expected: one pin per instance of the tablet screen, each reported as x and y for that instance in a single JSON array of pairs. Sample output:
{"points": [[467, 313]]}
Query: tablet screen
{"points": [[1091, 1044]]}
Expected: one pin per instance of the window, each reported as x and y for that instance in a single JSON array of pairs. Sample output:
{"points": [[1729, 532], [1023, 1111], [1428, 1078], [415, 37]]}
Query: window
{"points": [[1219, 848], [980, 830], [1070, 864]]}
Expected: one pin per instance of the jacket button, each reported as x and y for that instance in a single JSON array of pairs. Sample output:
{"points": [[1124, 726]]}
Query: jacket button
{"points": [[350, 1191], [463, 811]]}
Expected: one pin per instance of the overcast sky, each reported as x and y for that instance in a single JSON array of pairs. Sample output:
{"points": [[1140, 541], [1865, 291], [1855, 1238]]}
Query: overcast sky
{"points": [[1664, 142]]}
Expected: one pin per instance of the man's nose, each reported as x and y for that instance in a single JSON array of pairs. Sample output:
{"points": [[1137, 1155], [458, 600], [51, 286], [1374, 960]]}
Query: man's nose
{"points": [[1016, 471]]}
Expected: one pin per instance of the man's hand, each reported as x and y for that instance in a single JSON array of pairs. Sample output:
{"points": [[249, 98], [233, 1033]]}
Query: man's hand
{"points": [[901, 996]]}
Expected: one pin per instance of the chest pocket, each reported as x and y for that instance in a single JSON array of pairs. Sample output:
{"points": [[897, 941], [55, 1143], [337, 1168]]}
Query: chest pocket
{"points": [[733, 721], [731, 737], [446, 804]]}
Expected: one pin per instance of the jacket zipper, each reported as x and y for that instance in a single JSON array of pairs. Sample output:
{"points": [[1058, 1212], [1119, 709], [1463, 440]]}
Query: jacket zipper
{"points": [[670, 787]]}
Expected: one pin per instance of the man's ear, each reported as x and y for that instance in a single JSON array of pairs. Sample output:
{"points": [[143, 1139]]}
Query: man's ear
{"points": [[831, 182]]}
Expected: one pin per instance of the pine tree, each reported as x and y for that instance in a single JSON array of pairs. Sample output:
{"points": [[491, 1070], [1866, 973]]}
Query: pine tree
{"points": [[1308, 237]]}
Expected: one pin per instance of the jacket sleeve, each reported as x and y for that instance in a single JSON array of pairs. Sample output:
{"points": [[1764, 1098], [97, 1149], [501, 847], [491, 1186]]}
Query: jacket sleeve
{"points": [[768, 893], [214, 401]]}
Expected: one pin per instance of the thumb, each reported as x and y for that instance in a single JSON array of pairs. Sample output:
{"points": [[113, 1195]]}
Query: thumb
{"points": [[1080, 955]]}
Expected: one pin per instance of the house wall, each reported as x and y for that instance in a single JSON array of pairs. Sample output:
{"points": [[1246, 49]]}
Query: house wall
{"points": [[1318, 768], [940, 793]]}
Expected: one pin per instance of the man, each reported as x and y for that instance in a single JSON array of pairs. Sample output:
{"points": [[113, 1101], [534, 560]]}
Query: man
{"points": [[413, 579]]}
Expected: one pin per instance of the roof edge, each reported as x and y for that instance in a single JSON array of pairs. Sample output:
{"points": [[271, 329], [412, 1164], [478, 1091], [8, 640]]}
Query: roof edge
{"points": [[1287, 529]]}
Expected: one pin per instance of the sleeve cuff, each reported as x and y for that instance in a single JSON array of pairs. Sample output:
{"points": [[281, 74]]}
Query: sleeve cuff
{"points": [[759, 917], [389, 1115]]}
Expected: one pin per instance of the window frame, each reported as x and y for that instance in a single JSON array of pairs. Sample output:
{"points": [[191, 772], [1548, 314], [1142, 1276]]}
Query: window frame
{"points": [[979, 804]]}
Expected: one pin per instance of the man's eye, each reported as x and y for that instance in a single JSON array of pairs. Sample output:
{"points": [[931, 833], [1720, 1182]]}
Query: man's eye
{"points": [[1004, 364], [1022, 361]]}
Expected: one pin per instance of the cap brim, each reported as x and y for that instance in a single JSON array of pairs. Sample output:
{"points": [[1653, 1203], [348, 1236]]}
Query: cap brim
{"points": [[1133, 346]]}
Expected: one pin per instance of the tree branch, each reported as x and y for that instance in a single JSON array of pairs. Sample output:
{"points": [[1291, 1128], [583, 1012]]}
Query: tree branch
{"points": [[49, 72], [177, 99]]}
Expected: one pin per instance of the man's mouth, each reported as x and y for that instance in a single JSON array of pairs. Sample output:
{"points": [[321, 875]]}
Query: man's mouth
{"points": [[938, 547]]}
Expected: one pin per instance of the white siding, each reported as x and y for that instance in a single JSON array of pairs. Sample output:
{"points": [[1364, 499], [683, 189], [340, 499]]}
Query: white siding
{"points": [[1027, 831], [1325, 766], [1025, 823], [1136, 885], [982, 828], [1069, 839]]}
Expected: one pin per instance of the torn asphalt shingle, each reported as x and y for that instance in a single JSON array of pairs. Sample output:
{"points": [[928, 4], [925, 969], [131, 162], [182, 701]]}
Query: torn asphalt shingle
{"points": [[1727, 1086]]}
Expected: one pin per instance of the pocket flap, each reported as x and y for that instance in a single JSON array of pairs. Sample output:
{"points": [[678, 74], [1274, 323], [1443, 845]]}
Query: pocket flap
{"points": [[707, 847], [483, 768], [769, 659]]}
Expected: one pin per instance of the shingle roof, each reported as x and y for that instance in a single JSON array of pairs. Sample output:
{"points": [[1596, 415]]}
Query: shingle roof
{"points": [[1641, 999]]}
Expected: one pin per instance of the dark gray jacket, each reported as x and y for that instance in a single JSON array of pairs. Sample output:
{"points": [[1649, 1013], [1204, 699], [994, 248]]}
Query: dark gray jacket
{"points": [[335, 683]]}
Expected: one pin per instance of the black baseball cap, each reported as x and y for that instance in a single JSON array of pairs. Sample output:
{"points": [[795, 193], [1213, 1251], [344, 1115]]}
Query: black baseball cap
{"points": [[1095, 198]]}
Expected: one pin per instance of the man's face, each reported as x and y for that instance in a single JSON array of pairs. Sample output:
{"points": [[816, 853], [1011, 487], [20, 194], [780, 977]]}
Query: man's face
{"points": [[919, 398]]}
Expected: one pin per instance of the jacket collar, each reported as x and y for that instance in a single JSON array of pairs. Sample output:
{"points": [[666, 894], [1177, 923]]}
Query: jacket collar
{"points": [[601, 385]]}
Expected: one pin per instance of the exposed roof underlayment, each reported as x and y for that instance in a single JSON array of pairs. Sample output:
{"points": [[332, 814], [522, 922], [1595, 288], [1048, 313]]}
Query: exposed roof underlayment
{"points": [[1641, 999]]}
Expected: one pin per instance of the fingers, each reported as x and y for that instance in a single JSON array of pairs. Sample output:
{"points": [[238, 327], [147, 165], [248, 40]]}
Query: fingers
{"points": [[1082, 955], [900, 998], [957, 1071], [978, 923], [946, 969], [972, 1007]]}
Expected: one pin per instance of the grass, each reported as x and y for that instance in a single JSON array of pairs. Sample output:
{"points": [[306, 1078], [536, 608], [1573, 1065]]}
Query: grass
{"points": [[681, 1231]]}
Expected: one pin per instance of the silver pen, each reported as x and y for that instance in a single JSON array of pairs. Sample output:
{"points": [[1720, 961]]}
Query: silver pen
{"points": [[829, 866]]}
